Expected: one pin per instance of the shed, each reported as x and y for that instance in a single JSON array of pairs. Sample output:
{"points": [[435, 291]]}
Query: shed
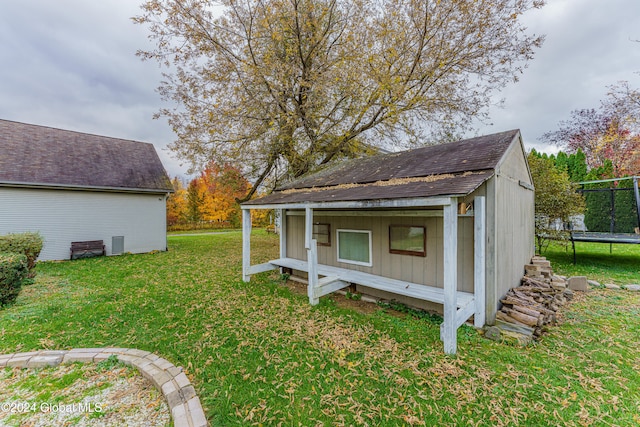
{"points": [[446, 226], [73, 186]]}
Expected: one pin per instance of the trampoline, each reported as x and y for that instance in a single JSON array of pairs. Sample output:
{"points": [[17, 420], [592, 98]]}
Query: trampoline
{"points": [[612, 213]]}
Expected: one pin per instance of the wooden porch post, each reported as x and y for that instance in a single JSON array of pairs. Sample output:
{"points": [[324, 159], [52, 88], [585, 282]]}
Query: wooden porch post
{"points": [[479, 260], [636, 192], [282, 213], [246, 244], [308, 227], [450, 231], [312, 256]]}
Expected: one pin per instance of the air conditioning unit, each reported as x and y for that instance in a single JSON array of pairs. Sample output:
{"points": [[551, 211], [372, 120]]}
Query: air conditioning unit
{"points": [[117, 245]]}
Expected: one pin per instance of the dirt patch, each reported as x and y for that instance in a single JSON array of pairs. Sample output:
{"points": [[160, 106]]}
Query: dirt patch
{"points": [[360, 306], [80, 395]]}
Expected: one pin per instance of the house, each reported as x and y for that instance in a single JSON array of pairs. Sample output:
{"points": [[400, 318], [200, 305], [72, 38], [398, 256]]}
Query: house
{"points": [[447, 226], [73, 186]]}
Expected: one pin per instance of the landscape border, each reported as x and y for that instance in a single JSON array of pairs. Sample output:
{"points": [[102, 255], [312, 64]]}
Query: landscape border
{"points": [[171, 381]]}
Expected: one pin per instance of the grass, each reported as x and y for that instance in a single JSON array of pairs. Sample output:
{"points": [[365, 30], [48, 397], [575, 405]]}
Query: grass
{"points": [[201, 231], [258, 354], [621, 266]]}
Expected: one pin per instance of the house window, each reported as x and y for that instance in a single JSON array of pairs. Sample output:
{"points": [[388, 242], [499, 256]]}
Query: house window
{"points": [[322, 234], [354, 247], [408, 240]]}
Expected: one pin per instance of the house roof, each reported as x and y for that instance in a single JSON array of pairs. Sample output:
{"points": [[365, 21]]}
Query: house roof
{"points": [[40, 156], [451, 169]]}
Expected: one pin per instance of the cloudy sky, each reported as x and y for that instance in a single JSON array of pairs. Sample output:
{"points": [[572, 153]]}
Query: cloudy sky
{"points": [[71, 64]]}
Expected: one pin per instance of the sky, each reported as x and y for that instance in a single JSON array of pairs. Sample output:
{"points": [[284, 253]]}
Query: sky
{"points": [[71, 64]]}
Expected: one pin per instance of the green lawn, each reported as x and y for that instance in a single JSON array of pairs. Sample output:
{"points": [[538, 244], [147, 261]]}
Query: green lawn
{"points": [[618, 264], [258, 354], [201, 231]]}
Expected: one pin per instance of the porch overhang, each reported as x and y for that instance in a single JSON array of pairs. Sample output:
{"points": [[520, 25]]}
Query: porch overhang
{"points": [[335, 278], [416, 202], [432, 190]]}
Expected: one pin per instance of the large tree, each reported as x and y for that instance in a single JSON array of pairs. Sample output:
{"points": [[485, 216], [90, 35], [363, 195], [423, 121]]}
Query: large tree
{"points": [[285, 86], [210, 197], [177, 203], [625, 100], [610, 133]]}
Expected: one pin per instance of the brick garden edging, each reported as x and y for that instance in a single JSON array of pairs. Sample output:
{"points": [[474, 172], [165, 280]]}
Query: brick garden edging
{"points": [[185, 407]]}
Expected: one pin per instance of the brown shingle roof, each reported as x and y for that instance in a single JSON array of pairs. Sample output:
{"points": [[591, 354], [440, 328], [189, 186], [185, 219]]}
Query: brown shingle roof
{"points": [[456, 168], [44, 156], [473, 154], [450, 185]]}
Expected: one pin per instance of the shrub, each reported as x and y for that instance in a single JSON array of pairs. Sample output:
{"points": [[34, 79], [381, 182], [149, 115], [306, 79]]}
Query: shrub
{"points": [[13, 270], [556, 200], [28, 244]]}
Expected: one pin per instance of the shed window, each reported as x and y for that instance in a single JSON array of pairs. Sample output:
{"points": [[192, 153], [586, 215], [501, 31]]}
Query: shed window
{"points": [[354, 247], [322, 234], [408, 240]]}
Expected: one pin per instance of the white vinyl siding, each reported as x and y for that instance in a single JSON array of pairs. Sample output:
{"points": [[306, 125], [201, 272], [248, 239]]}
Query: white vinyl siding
{"points": [[65, 216]]}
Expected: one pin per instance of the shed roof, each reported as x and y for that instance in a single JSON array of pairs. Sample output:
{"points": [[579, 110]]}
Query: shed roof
{"points": [[32, 155], [450, 169]]}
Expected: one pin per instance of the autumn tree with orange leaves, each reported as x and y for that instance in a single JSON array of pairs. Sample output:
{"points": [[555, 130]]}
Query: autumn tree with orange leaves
{"points": [[177, 203], [221, 186], [209, 198]]}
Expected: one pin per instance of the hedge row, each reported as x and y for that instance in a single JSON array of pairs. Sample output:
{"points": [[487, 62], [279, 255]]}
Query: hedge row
{"points": [[617, 206], [28, 244], [18, 255], [13, 271]]}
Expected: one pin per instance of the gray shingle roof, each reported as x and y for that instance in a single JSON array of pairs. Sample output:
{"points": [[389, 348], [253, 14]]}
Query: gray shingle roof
{"points": [[49, 157], [458, 168]]}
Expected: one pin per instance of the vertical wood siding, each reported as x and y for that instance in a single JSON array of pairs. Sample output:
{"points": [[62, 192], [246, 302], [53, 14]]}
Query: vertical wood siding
{"points": [[63, 216], [509, 245], [514, 222], [424, 270]]}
